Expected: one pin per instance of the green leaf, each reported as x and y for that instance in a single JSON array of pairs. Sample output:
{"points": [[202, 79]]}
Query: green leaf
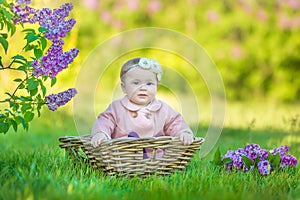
{"points": [[38, 53], [43, 43], [33, 92], [274, 159], [7, 14], [42, 29], [13, 123], [20, 120], [248, 162], [45, 78], [30, 37], [15, 126], [257, 160], [32, 84], [21, 86], [226, 161], [44, 89], [4, 35], [8, 94], [53, 81], [4, 43], [18, 80], [29, 30], [3, 127], [28, 116], [20, 62], [1, 61], [19, 57], [25, 107], [12, 28], [29, 47], [217, 157], [22, 68]]}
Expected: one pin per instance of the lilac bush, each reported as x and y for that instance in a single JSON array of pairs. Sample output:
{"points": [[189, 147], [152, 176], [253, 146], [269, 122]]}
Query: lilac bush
{"points": [[48, 58], [252, 156], [56, 28]]}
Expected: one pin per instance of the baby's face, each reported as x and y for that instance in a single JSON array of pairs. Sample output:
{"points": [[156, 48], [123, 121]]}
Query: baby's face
{"points": [[140, 85]]}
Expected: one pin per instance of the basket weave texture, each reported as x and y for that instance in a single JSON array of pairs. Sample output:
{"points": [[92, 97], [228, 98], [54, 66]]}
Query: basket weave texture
{"points": [[124, 156]]}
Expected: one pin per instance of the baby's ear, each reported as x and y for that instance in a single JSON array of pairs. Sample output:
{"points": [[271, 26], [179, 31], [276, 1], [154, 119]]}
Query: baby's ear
{"points": [[123, 87]]}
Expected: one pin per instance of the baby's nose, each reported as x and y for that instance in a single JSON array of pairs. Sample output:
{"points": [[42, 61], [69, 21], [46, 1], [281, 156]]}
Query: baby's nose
{"points": [[143, 86]]}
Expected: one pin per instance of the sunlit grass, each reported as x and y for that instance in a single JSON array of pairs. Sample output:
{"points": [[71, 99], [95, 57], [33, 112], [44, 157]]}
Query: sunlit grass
{"points": [[34, 167]]}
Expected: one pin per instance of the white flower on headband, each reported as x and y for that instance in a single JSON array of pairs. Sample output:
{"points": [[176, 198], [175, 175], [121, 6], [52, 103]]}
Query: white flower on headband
{"points": [[145, 63], [152, 65]]}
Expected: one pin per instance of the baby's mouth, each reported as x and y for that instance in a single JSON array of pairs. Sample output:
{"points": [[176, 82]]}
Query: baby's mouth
{"points": [[142, 95]]}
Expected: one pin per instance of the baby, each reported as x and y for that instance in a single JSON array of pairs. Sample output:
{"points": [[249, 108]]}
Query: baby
{"points": [[139, 113]]}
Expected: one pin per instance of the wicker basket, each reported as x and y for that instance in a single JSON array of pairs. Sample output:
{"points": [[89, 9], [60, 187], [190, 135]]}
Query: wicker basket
{"points": [[124, 156]]}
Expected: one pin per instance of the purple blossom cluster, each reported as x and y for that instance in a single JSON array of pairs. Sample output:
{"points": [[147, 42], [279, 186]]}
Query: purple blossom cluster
{"points": [[57, 28], [24, 1], [60, 99], [54, 62], [260, 158], [264, 167]]}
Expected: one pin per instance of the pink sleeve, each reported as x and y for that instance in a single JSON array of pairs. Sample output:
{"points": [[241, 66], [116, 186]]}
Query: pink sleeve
{"points": [[175, 123], [105, 122]]}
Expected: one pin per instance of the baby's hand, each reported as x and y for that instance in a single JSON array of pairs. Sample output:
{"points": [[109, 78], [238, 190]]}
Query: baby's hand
{"points": [[97, 139], [187, 138]]}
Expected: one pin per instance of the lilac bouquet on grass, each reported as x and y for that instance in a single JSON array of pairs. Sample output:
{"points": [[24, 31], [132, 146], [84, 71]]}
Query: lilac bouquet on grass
{"points": [[253, 157]]}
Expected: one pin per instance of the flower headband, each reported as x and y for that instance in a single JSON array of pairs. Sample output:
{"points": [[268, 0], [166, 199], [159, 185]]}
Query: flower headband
{"points": [[147, 64]]}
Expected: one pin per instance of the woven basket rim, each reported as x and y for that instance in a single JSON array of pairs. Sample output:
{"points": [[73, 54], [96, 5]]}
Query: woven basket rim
{"points": [[131, 139], [125, 156]]}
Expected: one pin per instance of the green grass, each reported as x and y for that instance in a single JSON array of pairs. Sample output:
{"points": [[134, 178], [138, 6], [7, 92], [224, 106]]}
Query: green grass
{"points": [[32, 166]]}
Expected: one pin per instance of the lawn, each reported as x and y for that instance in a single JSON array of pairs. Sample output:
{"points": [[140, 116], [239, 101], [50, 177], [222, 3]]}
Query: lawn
{"points": [[34, 167]]}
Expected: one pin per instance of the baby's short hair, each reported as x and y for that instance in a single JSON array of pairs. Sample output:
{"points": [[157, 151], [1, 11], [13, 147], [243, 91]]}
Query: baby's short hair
{"points": [[144, 63]]}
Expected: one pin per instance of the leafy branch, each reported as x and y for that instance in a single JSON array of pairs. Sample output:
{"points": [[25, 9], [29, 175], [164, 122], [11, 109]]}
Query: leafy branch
{"points": [[27, 98]]}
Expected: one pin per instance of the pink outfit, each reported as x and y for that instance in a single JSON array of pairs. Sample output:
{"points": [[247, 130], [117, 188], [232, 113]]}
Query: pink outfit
{"points": [[154, 120]]}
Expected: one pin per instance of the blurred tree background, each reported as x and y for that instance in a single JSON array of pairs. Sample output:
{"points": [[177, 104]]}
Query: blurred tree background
{"points": [[254, 43]]}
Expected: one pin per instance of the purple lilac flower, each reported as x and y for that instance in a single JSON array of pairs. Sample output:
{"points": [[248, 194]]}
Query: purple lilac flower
{"points": [[288, 160], [252, 148], [264, 167], [26, 14], [54, 21], [256, 154], [57, 27], [60, 99], [54, 62], [263, 154], [281, 150], [236, 157], [24, 1]]}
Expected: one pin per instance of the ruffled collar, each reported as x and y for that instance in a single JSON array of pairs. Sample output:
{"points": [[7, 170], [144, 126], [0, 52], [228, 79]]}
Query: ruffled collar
{"points": [[153, 106]]}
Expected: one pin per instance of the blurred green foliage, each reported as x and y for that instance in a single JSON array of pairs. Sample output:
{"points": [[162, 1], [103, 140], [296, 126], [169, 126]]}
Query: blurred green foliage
{"points": [[255, 44]]}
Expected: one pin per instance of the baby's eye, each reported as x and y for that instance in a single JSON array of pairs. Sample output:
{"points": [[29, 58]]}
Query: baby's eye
{"points": [[149, 83], [135, 83]]}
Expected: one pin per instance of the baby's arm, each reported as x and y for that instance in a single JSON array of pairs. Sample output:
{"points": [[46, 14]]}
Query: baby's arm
{"points": [[97, 138], [176, 126], [103, 127], [186, 137]]}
